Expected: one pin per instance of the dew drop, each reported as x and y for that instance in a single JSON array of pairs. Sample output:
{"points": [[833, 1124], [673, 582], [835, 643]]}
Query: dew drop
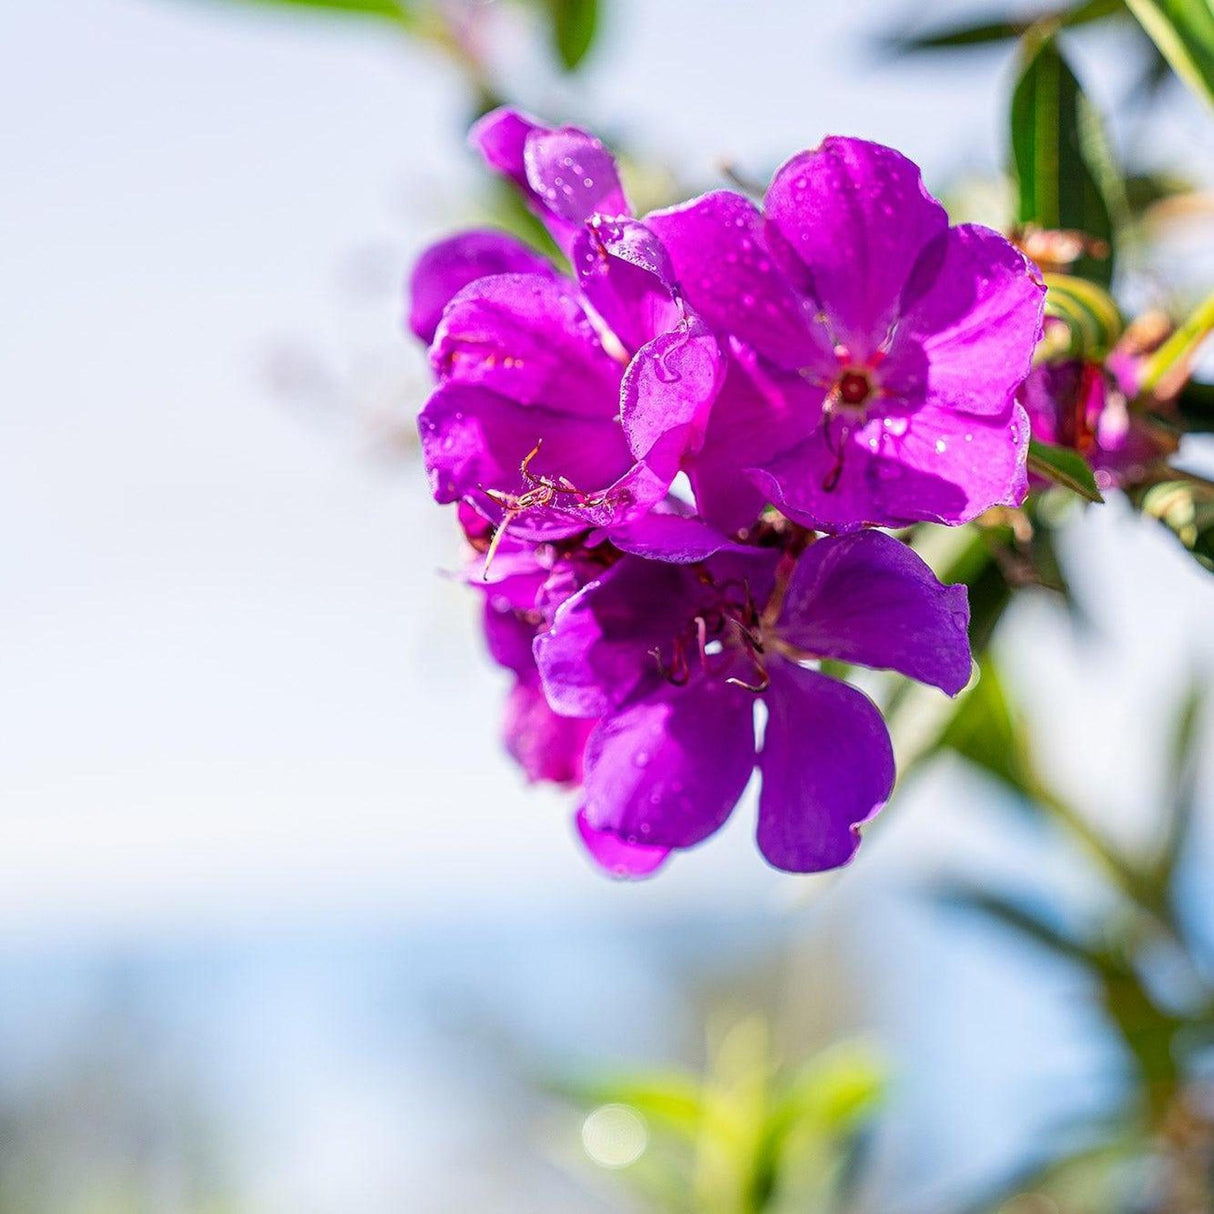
{"points": [[641, 758], [941, 446]]}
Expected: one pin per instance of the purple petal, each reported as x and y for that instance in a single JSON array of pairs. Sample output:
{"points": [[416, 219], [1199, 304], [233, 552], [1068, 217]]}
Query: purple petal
{"points": [[971, 316], [509, 636], [667, 770], [474, 440], [671, 537], [501, 138], [565, 175], [982, 458], [527, 338], [931, 464], [445, 268], [666, 394], [758, 413], [624, 272], [827, 768], [598, 652], [719, 249], [573, 175], [616, 857], [546, 746], [867, 598], [853, 217]]}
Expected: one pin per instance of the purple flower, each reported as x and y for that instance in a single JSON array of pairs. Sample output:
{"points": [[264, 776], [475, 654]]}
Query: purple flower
{"points": [[1083, 405], [560, 405], [522, 589], [671, 659], [878, 350]]}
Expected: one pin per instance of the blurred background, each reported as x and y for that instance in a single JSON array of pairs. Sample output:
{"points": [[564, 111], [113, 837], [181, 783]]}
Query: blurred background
{"points": [[281, 927]]}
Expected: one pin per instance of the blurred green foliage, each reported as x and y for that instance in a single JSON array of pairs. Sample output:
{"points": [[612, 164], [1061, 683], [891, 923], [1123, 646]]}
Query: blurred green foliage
{"points": [[1060, 158], [749, 1136], [1143, 967]]}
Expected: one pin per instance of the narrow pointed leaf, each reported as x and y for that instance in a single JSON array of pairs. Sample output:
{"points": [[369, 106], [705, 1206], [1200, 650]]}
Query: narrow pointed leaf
{"points": [[1183, 30], [1058, 154], [1064, 467], [1022, 919], [1174, 359]]}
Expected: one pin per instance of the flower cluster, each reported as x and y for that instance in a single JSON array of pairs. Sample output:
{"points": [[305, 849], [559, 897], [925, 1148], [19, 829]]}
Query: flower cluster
{"points": [[1084, 403], [836, 360]]}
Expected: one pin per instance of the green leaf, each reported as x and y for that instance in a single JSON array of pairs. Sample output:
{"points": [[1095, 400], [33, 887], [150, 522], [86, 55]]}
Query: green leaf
{"points": [[1182, 781], [399, 12], [670, 1101], [1184, 32], [1174, 359], [984, 731], [574, 24], [985, 33], [1059, 155], [1011, 913], [1064, 467]]}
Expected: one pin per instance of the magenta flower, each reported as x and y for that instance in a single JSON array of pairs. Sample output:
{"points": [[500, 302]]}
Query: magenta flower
{"points": [[671, 659], [522, 589], [1083, 405], [560, 406], [878, 350]]}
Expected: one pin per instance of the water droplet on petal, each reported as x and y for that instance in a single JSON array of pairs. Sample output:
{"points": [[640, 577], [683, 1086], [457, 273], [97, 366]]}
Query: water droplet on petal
{"points": [[941, 446]]}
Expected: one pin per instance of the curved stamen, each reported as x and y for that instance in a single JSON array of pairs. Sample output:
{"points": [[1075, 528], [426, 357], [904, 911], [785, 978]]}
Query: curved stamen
{"points": [[759, 687]]}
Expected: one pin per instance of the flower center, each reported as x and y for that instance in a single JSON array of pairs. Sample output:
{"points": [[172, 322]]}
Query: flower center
{"points": [[727, 627], [854, 388]]}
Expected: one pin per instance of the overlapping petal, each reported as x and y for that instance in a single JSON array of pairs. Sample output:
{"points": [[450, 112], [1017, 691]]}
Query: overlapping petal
{"points": [[852, 217], [546, 746], [598, 654], [666, 770], [667, 393], [616, 857], [718, 246], [867, 598], [892, 471], [527, 337], [565, 174], [448, 266], [970, 315], [827, 768], [626, 276]]}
